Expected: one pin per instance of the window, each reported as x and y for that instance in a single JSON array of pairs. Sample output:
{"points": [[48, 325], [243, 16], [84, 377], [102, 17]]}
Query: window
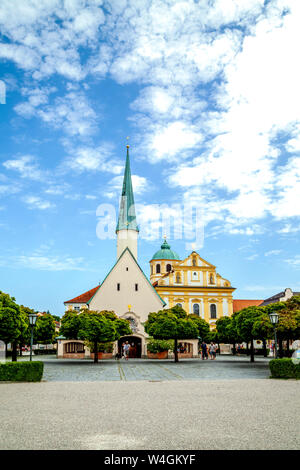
{"points": [[169, 267], [179, 305], [126, 269], [213, 311], [136, 287], [211, 279], [178, 278], [196, 309], [194, 261], [77, 309], [151, 269], [118, 286], [74, 348], [158, 268]]}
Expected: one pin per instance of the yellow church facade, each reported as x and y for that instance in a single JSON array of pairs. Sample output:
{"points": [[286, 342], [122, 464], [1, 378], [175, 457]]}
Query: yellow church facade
{"points": [[192, 283]]}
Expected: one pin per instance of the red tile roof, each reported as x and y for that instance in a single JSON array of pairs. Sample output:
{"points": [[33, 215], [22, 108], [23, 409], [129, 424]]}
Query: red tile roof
{"points": [[238, 304], [83, 298]]}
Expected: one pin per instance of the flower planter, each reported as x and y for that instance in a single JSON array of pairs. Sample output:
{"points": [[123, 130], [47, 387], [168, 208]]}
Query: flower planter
{"points": [[102, 355], [160, 355]]}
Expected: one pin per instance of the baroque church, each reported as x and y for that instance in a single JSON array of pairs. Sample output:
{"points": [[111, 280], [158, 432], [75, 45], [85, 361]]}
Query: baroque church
{"points": [[192, 283]]}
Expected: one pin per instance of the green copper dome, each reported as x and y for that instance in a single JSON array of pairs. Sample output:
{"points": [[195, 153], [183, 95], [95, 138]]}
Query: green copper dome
{"points": [[165, 252]]}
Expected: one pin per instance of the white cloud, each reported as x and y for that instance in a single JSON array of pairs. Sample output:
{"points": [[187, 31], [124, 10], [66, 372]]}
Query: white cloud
{"points": [[289, 228], [251, 257], [220, 85], [47, 34], [85, 158], [273, 252], [294, 262], [71, 113], [26, 166], [35, 202], [48, 263]]}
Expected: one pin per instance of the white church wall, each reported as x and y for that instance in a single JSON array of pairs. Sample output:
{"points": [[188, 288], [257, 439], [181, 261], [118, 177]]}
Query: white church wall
{"points": [[142, 301]]}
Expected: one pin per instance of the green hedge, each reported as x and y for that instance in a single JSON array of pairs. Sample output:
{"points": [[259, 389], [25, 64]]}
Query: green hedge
{"points": [[21, 371], [284, 369], [44, 352], [159, 345]]}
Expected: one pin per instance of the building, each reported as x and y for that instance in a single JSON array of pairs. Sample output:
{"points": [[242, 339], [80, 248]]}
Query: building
{"points": [[280, 297], [192, 283], [239, 304], [126, 289]]}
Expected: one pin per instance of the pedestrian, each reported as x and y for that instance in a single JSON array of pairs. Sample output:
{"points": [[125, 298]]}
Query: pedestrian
{"points": [[273, 348], [126, 350], [238, 349], [204, 350], [212, 351]]}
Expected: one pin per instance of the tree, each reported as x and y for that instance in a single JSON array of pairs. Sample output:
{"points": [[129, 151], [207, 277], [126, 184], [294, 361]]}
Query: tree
{"points": [[11, 322], [101, 327], [44, 329], [172, 323], [288, 324], [25, 335], [262, 328], [245, 320], [70, 325], [203, 327]]}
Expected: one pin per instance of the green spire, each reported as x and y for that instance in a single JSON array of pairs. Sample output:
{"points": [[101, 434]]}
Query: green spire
{"points": [[127, 217]]}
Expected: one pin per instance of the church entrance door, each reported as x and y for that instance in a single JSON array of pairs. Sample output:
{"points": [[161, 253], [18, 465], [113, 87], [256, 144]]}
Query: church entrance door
{"points": [[135, 346]]}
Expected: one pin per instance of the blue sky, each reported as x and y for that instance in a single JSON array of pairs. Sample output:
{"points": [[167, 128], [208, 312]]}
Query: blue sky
{"points": [[208, 92]]}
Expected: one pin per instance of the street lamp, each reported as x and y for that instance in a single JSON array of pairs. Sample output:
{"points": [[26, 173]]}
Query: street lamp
{"points": [[274, 317], [32, 320]]}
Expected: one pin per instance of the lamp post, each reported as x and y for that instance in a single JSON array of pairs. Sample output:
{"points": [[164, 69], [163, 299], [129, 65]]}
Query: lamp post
{"points": [[274, 317], [32, 320]]}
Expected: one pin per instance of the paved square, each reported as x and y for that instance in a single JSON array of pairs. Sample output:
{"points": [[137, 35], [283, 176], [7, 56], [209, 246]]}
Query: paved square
{"points": [[224, 367], [223, 404]]}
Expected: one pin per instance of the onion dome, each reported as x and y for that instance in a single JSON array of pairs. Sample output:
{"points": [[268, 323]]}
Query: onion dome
{"points": [[165, 252]]}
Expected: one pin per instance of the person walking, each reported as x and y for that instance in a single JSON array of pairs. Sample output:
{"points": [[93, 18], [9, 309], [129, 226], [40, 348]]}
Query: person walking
{"points": [[212, 351], [204, 354], [126, 350]]}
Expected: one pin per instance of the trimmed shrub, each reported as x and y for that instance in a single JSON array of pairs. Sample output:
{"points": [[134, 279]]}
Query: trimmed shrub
{"points": [[44, 352], [102, 347], [284, 369], [159, 345], [21, 371]]}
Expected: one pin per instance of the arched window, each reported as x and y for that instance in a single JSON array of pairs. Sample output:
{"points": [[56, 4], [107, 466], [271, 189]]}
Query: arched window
{"points": [[194, 261], [158, 268], [179, 305], [178, 278], [211, 279], [151, 269], [168, 268], [213, 311], [196, 309]]}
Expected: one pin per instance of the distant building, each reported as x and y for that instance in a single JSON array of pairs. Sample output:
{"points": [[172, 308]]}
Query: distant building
{"points": [[280, 297], [239, 304]]}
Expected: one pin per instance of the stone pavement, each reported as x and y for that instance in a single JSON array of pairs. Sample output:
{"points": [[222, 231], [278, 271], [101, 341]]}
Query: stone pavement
{"points": [[180, 414], [223, 368]]}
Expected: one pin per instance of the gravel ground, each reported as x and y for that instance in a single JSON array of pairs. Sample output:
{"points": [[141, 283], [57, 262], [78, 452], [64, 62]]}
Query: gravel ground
{"points": [[182, 415]]}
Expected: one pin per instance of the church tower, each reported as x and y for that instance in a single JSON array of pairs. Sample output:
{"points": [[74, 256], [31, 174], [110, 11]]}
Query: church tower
{"points": [[127, 229]]}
